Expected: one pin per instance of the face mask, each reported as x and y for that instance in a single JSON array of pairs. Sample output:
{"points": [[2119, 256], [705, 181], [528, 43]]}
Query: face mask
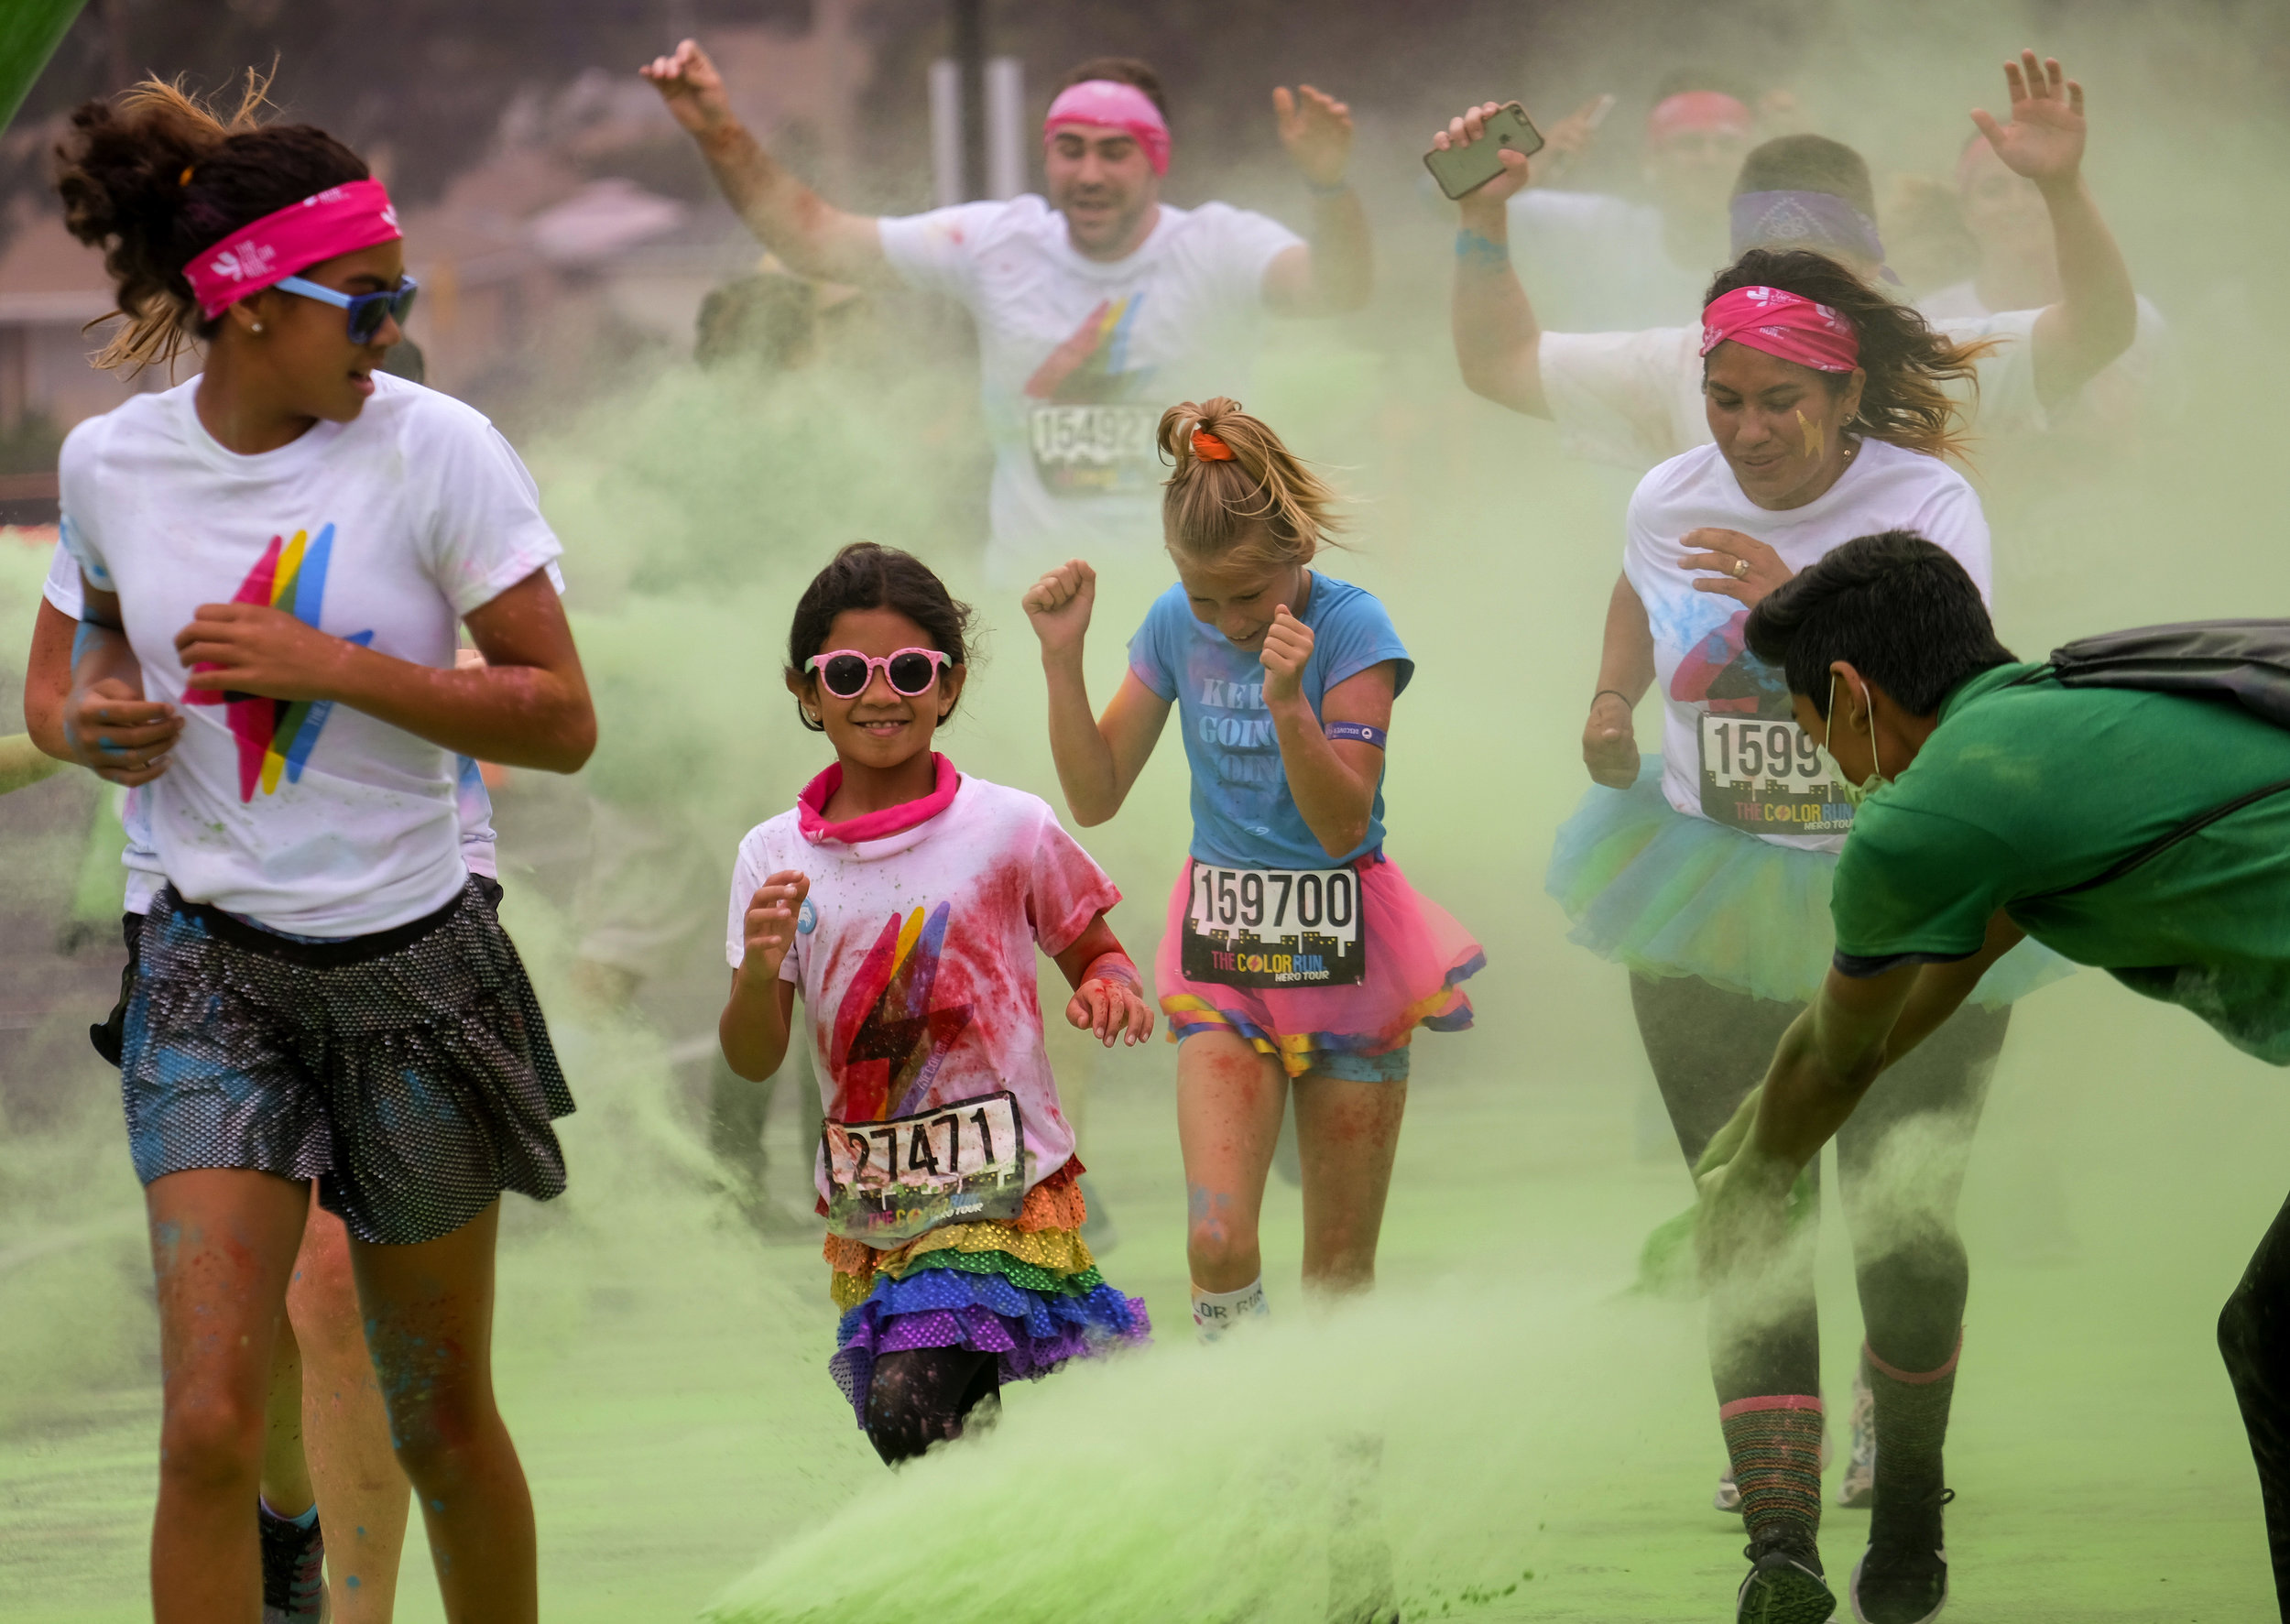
{"points": [[1854, 794]]}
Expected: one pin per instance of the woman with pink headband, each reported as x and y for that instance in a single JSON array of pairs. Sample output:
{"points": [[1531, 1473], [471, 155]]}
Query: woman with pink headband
{"points": [[276, 558], [1097, 305], [1705, 871]]}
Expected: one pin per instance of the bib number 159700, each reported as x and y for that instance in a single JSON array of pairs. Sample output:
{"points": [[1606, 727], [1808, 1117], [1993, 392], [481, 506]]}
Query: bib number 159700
{"points": [[1274, 927]]}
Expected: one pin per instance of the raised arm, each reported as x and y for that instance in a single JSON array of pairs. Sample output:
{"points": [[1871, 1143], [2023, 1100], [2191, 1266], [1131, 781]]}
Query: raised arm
{"points": [[2098, 314], [1498, 341], [1626, 669], [812, 236], [1098, 759], [1336, 271]]}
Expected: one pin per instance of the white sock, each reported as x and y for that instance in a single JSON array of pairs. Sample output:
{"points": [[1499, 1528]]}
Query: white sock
{"points": [[1215, 1313]]}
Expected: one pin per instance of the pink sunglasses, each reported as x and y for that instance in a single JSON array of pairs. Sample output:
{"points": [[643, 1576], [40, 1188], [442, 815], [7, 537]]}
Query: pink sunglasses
{"points": [[912, 672]]}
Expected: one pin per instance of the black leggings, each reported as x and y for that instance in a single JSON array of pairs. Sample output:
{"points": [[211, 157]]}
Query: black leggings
{"points": [[1710, 1047], [2254, 1335], [925, 1396]]}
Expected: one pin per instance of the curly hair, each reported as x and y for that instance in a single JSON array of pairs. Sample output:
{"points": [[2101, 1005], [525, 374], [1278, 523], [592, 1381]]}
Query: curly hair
{"points": [[1905, 399], [1261, 507], [157, 175], [866, 575]]}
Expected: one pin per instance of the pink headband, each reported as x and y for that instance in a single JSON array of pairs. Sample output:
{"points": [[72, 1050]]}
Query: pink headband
{"points": [[1781, 324], [339, 220], [1113, 106], [1695, 111]]}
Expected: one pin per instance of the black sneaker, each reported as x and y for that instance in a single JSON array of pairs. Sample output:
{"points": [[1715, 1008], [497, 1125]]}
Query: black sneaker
{"points": [[1903, 1576], [1785, 1585], [293, 1570]]}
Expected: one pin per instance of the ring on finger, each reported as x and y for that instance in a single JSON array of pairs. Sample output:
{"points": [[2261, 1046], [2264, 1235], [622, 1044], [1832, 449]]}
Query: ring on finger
{"points": [[1741, 569]]}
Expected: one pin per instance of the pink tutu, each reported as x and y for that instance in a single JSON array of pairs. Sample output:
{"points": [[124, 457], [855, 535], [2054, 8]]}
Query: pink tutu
{"points": [[1417, 958]]}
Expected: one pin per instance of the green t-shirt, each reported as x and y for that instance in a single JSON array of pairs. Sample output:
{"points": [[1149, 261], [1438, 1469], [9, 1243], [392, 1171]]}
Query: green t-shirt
{"points": [[2024, 791]]}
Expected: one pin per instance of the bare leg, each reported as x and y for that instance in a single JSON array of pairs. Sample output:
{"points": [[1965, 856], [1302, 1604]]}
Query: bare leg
{"points": [[1229, 1102], [429, 1314], [286, 1478], [1346, 1134], [223, 1243], [362, 1494]]}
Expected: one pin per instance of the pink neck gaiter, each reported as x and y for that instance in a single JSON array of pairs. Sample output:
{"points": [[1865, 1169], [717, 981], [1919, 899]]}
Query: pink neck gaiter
{"points": [[811, 808]]}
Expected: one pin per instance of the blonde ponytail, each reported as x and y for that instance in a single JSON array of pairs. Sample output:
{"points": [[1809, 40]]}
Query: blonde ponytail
{"points": [[1257, 507]]}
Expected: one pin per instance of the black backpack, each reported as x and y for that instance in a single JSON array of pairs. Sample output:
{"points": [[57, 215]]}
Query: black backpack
{"points": [[2245, 660]]}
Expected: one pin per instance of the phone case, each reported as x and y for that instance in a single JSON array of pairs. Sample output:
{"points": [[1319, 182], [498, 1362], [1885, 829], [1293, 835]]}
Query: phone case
{"points": [[1461, 169]]}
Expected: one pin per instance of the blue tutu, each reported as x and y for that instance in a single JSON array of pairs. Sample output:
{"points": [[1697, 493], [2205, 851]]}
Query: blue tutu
{"points": [[1670, 895]]}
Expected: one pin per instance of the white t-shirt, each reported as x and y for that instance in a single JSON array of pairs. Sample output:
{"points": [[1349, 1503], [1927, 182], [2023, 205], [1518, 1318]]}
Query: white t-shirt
{"points": [[1725, 714], [472, 803], [914, 956], [1634, 400], [1079, 357], [2144, 383], [316, 820], [1592, 263]]}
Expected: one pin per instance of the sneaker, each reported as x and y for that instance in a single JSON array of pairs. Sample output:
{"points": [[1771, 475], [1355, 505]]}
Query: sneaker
{"points": [[1857, 1490], [1903, 1578], [293, 1569], [1785, 1585]]}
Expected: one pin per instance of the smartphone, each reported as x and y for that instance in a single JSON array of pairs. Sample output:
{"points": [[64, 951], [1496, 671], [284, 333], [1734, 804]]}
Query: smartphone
{"points": [[1460, 170]]}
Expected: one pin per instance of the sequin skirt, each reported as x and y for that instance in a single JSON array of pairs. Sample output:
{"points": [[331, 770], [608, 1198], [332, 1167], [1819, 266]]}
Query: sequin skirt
{"points": [[409, 1072], [1026, 1291]]}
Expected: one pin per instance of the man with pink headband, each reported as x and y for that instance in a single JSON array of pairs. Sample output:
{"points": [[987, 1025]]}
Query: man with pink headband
{"points": [[1097, 306], [1594, 262]]}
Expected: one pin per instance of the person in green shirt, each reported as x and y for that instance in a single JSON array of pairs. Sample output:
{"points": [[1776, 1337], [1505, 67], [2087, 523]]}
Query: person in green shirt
{"points": [[2146, 833]]}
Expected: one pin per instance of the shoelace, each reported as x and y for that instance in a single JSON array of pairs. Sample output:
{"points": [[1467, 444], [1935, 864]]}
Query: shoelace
{"points": [[1916, 1543]]}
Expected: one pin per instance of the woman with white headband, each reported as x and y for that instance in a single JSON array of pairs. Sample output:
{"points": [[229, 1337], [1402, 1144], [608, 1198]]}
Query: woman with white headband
{"points": [[275, 559], [1097, 306]]}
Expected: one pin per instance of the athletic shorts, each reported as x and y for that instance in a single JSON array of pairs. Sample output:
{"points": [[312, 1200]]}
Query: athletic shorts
{"points": [[410, 1072]]}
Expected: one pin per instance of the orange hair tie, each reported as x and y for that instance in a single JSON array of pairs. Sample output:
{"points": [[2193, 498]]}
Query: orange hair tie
{"points": [[1210, 448]]}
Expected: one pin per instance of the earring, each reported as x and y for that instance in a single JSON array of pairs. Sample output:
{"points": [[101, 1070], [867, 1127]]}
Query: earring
{"points": [[258, 327]]}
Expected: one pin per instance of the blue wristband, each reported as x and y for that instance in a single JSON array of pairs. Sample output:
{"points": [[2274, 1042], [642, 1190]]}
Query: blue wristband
{"points": [[1482, 252], [1355, 730]]}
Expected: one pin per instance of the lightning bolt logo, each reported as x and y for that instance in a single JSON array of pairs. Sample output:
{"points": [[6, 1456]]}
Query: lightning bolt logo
{"points": [[276, 735], [888, 1041]]}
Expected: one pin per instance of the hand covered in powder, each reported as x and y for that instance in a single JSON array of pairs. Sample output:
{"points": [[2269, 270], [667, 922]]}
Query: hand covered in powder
{"points": [[1316, 129], [2045, 139], [693, 89], [121, 737], [253, 649], [1058, 605], [1746, 568], [1111, 1008], [1287, 648], [770, 924]]}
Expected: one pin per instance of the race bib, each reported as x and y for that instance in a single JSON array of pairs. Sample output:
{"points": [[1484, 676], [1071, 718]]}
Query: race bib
{"points": [[1274, 927], [1095, 450], [890, 1182], [1764, 775]]}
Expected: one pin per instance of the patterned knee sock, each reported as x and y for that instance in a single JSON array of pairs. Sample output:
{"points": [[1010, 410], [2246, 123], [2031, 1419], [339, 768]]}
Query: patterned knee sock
{"points": [[1912, 1427], [1775, 1446]]}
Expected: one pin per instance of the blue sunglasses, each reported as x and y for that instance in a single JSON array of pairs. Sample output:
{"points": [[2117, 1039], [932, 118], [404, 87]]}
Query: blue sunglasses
{"points": [[368, 311]]}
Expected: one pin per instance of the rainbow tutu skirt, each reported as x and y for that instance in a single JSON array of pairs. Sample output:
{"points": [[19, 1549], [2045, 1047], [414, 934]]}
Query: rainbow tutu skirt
{"points": [[1666, 894], [1026, 1291]]}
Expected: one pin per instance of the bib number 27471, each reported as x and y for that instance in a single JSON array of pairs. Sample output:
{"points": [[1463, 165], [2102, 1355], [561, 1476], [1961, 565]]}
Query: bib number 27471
{"points": [[889, 1182], [1274, 927]]}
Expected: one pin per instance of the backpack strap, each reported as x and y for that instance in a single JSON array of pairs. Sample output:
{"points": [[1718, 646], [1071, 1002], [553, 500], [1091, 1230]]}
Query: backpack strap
{"points": [[2154, 849]]}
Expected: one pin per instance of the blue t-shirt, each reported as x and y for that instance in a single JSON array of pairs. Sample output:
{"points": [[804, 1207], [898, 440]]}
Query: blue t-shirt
{"points": [[1243, 816]]}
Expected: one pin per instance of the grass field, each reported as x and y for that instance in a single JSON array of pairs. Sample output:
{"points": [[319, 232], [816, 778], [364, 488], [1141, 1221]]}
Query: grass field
{"points": [[664, 1375]]}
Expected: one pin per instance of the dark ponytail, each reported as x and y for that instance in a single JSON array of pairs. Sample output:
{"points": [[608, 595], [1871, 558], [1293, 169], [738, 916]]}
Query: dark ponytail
{"points": [[1905, 401], [155, 175], [864, 575]]}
